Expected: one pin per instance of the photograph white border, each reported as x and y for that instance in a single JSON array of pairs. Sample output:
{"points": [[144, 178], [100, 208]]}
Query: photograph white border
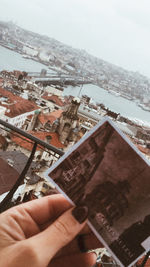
{"points": [[73, 148]]}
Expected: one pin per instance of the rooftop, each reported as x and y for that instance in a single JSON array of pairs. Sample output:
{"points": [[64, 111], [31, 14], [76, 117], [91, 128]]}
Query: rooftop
{"points": [[41, 135], [15, 105], [11, 162], [8, 176], [45, 117], [17, 160], [54, 99]]}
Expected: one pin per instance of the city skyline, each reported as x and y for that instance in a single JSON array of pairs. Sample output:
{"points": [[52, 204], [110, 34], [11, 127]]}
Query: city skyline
{"points": [[114, 30]]}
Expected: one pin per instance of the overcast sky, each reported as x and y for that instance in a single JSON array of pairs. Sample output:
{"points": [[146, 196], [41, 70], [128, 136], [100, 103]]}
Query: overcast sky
{"points": [[114, 30]]}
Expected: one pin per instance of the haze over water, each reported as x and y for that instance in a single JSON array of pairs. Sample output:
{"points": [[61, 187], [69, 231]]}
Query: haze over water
{"points": [[10, 60]]}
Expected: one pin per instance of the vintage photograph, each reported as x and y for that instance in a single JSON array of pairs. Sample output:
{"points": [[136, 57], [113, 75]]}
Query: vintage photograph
{"points": [[105, 173]]}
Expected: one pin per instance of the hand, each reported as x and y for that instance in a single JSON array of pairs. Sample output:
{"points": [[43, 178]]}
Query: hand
{"points": [[31, 234], [71, 254]]}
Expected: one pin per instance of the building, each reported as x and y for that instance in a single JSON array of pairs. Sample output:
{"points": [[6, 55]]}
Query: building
{"points": [[8, 176], [31, 51], [34, 186], [44, 157], [54, 99], [42, 121], [54, 90], [17, 160], [2, 112], [68, 125], [17, 109]]}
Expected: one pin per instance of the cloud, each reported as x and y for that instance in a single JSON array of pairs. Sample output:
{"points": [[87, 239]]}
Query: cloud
{"points": [[115, 30], [137, 11]]}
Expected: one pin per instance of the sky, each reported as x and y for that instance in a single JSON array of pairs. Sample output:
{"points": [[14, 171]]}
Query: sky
{"points": [[117, 31]]}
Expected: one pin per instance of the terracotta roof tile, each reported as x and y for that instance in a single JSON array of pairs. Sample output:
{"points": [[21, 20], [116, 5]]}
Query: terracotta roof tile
{"points": [[53, 98], [44, 118], [16, 104], [30, 116], [52, 119], [56, 113], [41, 135]]}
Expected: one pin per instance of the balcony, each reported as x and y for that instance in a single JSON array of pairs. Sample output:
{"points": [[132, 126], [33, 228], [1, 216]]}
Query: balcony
{"points": [[23, 159], [23, 164]]}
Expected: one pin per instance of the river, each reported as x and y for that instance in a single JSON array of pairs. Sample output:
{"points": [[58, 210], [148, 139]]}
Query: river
{"points": [[10, 60], [125, 107]]}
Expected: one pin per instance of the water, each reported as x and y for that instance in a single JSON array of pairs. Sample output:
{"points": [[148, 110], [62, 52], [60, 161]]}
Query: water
{"points": [[125, 107], [10, 60]]}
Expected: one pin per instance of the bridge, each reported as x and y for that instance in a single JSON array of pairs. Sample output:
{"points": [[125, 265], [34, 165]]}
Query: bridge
{"points": [[61, 79], [39, 74]]}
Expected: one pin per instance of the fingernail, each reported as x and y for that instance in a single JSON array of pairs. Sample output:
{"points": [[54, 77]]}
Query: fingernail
{"points": [[80, 213], [93, 258]]}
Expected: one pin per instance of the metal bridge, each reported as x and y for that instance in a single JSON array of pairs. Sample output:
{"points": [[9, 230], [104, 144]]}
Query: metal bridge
{"points": [[61, 79]]}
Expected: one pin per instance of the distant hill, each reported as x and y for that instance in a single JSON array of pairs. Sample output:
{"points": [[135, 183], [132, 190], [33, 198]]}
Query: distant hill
{"points": [[53, 53]]}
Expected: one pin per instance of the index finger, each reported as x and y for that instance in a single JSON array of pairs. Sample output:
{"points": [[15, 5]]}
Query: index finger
{"points": [[44, 209]]}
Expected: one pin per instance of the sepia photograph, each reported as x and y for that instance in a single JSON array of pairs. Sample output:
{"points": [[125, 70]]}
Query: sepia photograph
{"points": [[107, 174]]}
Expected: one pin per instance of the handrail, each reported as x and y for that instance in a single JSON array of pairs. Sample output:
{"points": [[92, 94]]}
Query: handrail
{"points": [[6, 201], [31, 137]]}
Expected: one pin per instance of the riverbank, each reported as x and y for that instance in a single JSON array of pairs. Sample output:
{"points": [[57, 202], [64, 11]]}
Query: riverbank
{"points": [[53, 68], [118, 104], [11, 60]]}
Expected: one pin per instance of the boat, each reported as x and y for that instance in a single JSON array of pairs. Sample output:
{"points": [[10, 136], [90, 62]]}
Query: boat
{"points": [[26, 56]]}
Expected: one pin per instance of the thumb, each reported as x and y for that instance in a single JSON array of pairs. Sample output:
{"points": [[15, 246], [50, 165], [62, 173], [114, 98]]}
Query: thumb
{"points": [[47, 243]]}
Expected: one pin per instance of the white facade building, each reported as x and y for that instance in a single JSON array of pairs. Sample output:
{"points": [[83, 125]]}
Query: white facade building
{"points": [[30, 51], [2, 112], [19, 120], [53, 91]]}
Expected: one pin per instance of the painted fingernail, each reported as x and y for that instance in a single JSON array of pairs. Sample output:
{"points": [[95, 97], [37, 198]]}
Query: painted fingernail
{"points": [[80, 213], [93, 258]]}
